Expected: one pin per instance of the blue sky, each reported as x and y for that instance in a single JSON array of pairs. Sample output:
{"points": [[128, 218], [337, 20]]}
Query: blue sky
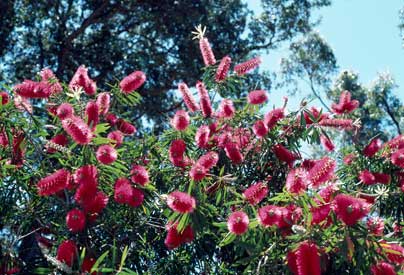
{"points": [[364, 35]]}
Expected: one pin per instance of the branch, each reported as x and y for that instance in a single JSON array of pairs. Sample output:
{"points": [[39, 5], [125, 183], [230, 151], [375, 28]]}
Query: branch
{"points": [[317, 95], [391, 114]]}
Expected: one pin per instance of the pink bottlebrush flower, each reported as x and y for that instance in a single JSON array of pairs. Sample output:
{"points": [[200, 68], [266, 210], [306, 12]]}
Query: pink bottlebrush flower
{"points": [[77, 129], [3, 138], [137, 197], [122, 191], [139, 175], [237, 222], [181, 202], [226, 109], [327, 193], [86, 191], [394, 252], [233, 152], [132, 82], [174, 238], [111, 119], [75, 220], [372, 148], [395, 144], [206, 51], [260, 129], [92, 114], [103, 102], [271, 215], [187, 97], [350, 209], [257, 97], [249, 65], [177, 148], [96, 203], [82, 80], [327, 143], [273, 117], [296, 181], [49, 77], [85, 174], [382, 178], [59, 139], [208, 160], [53, 183], [197, 172], [4, 98], [125, 127], [65, 110], [321, 172], [256, 193], [382, 268], [305, 260], [224, 138], [106, 154], [284, 155], [32, 89], [180, 161], [180, 121], [349, 158], [67, 252], [345, 105], [397, 158], [223, 69], [204, 100], [117, 136], [202, 136], [367, 177], [321, 213], [337, 123], [22, 104], [375, 226]]}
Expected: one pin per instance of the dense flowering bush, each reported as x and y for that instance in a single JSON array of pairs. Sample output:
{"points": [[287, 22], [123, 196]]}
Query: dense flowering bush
{"points": [[223, 170]]}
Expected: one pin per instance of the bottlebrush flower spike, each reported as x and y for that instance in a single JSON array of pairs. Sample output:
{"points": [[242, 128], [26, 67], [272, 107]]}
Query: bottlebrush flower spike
{"points": [[49, 77], [382, 268], [96, 203], [320, 214], [273, 117], [260, 129], [223, 69], [174, 238], [87, 265], [187, 97], [397, 158], [327, 143], [177, 148], [53, 183], [204, 100], [349, 158], [349, 209], [4, 98], [237, 222], [284, 154], [86, 191], [233, 152], [321, 172], [59, 139], [345, 105], [337, 123], [395, 144], [125, 127], [367, 177], [382, 178], [257, 97], [206, 51], [65, 110], [111, 119], [32, 89], [82, 80], [3, 138], [372, 148], [132, 82], [394, 252], [180, 121], [181, 202], [67, 252], [375, 226], [117, 136], [197, 172], [208, 160], [256, 193], [78, 130], [122, 191], [75, 220], [139, 175], [103, 102], [137, 197], [296, 181], [92, 114], [226, 109], [202, 136], [85, 174], [305, 260], [270, 215], [249, 65], [106, 154]]}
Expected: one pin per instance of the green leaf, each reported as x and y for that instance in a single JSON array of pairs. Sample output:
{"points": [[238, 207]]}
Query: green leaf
{"points": [[99, 261], [101, 128], [230, 237], [123, 258]]}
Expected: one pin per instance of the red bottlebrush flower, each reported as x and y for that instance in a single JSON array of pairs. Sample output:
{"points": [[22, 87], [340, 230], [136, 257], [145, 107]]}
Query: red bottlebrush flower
{"points": [[260, 129], [284, 154], [32, 89], [237, 223], [106, 154], [85, 192], [270, 215], [245, 67], [22, 104], [187, 97], [382, 178], [367, 177], [53, 183], [4, 98], [320, 214], [87, 265], [139, 175], [327, 192], [296, 181], [174, 238], [372, 148], [117, 137], [180, 121], [256, 193], [132, 82], [257, 97], [350, 209], [395, 144], [224, 138], [394, 252], [382, 268], [59, 139], [137, 197], [206, 51], [92, 114], [345, 105], [96, 203], [272, 118], [125, 127], [375, 226], [65, 110], [223, 69], [197, 172], [103, 101], [327, 143], [397, 158], [337, 123], [75, 220], [111, 119], [348, 159], [233, 152], [226, 109], [67, 252], [122, 191], [181, 202], [82, 80], [321, 172], [86, 174], [204, 100], [177, 148], [208, 160], [305, 260], [202, 136], [49, 77], [77, 129]]}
